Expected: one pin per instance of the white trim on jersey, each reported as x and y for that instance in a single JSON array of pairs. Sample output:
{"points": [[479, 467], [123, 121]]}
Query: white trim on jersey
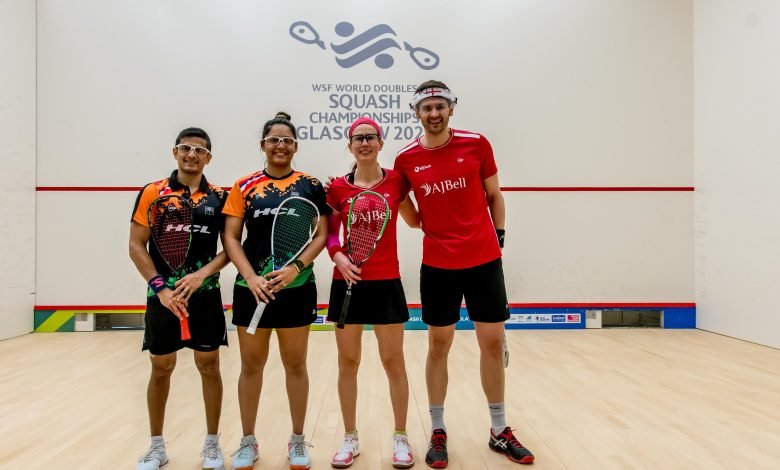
{"points": [[465, 134], [412, 145]]}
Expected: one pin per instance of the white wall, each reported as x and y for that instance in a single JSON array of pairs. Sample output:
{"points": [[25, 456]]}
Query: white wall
{"points": [[17, 176], [737, 137], [570, 93]]}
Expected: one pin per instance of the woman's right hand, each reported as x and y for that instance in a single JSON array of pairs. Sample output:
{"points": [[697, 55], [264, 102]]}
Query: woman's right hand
{"points": [[260, 288], [350, 272]]}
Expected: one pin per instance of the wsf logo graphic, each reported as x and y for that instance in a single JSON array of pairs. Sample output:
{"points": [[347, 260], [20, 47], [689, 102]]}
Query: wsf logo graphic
{"points": [[374, 42]]}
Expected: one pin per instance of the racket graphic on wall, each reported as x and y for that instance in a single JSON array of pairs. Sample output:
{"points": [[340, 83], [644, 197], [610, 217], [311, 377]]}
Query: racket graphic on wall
{"points": [[366, 222], [294, 226], [170, 220]]}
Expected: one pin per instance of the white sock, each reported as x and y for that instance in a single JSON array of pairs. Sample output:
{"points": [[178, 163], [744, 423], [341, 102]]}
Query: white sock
{"points": [[158, 441], [497, 417], [437, 417], [212, 438]]}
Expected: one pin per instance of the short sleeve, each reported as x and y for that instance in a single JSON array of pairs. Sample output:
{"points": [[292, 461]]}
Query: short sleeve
{"points": [[146, 196], [319, 198], [234, 205], [487, 166]]}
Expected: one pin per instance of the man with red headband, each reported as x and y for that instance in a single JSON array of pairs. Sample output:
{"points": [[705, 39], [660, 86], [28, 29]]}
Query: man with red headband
{"points": [[461, 211], [377, 293]]}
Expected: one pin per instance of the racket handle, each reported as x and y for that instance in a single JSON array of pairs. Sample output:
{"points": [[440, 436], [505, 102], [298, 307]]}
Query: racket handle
{"points": [[185, 329], [344, 307], [252, 328]]}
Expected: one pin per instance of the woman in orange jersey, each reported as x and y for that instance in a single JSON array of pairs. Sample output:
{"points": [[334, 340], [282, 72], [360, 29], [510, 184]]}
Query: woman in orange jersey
{"points": [[290, 292]]}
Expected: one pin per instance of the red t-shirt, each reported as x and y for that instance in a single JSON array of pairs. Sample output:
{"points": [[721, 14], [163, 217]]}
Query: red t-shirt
{"points": [[447, 184], [383, 262]]}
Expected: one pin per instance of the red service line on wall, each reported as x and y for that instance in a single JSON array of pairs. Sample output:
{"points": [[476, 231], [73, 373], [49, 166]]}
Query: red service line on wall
{"points": [[505, 188]]}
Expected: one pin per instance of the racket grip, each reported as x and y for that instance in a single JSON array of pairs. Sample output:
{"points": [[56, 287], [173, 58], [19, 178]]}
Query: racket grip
{"points": [[344, 308], [185, 329], [252, 328]]}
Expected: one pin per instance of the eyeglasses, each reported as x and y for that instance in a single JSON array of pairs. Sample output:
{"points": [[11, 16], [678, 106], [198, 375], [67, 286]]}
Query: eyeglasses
{"points": [[360, 138], [186, 149], [274, 140]]}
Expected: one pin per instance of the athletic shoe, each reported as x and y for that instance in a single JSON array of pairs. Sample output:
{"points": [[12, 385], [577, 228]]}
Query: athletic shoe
{"points": [[402, 452], [298, 452], [246, 455], [437, 450], [212, 456], [350, 449], [506, 443], [154, 458]]}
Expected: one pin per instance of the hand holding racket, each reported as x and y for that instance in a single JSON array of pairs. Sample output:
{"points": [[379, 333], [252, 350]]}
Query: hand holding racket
{"points": [[170, 219], [366, 222], [294, 226]]}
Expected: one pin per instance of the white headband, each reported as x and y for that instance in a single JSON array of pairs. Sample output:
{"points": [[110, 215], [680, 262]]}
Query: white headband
{"points": [[433, 93]]}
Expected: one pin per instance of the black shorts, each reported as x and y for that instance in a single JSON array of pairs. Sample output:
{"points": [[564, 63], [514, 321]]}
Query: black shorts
{"points": [[443, 290], [373, 302], [207, 325], [293, 307]]}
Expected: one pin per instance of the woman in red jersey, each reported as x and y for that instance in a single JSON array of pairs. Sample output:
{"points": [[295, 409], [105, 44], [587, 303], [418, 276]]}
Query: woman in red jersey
{"points": [[377, 293]]}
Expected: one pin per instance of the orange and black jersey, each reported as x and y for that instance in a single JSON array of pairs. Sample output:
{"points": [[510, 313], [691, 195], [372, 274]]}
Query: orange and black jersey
{"points": [[208, 222], [254, 199]]}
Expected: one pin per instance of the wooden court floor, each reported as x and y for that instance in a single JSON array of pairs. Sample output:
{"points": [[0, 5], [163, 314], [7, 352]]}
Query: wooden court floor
{"points": [[594, 399]]}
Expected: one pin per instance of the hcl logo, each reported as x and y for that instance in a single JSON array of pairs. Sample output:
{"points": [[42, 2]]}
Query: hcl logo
{"points": [[376, 40]]}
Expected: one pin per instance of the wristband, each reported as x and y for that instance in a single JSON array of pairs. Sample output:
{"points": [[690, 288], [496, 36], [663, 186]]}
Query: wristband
{"points": [[298, 264], [157, 283], [332, 250], [500, 234]]}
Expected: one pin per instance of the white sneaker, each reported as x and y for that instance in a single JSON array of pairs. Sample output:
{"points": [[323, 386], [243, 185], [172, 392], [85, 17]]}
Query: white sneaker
{"points": [[298, 452], [246, 455], [350, 449], [402, 452], [212, 456], [154, 458]]}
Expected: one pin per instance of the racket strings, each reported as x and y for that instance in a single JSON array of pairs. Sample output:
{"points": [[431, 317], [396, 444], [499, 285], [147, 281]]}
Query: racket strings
{"points": [[294, 226], [366, 223], [171, 224]]}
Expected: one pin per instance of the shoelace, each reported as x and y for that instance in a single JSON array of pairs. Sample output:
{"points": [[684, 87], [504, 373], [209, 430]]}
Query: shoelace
{"points": [[401, 444], [151, 454], [245, 451], [299, 448], [438, 441], [509, 436], [349, 445], [211, 450]]}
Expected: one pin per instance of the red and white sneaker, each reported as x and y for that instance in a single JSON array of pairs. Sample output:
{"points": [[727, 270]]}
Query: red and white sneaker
{"points": [[402, 452], [350, 449]]}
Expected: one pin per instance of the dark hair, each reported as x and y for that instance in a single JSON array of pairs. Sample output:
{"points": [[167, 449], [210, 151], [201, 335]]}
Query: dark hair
{"points": [[280, 118], [194, 132], [431, 84]]}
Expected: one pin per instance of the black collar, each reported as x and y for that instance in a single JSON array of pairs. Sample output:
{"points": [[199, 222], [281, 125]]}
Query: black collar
{"points": [[174, 184], [280, 177]]}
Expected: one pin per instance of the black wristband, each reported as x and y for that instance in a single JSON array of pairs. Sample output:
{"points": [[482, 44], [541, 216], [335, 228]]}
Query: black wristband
{"points": [[500, 234], [157, 283]]}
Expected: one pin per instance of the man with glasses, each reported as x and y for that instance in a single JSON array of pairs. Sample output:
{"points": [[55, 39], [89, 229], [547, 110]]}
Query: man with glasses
{"points": [[455, 181], [192, 292]]}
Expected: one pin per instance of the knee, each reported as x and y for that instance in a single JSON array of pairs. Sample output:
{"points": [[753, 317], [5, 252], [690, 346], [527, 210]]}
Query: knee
{"points": [[207, 366], [295, 367], [163, 368], [394, 364], [349, 365], [252, 367], [492, 346], [439, 348]]}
